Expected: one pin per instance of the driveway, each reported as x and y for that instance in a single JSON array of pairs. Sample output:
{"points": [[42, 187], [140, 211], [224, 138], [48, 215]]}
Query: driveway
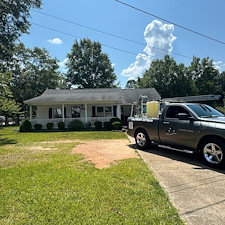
{"points": [[197, 191]]}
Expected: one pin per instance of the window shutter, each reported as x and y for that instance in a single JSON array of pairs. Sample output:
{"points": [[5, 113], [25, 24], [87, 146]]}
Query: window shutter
{"points": [[50, 113], [93, 111], [114, 111], [64, 112]]}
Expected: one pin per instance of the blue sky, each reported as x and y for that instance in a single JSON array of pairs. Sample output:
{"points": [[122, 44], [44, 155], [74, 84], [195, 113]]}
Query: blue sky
{"points": [[147, 34]]}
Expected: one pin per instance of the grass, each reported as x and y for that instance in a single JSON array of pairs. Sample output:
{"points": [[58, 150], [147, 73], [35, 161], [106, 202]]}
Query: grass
{"points": [[43, 183]]}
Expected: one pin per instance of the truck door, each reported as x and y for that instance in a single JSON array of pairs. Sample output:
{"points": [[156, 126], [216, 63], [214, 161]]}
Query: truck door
{"points": [[176, 132]]}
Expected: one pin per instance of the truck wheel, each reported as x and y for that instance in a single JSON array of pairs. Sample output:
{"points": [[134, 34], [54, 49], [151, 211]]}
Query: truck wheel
{"points": [[213, 153], [142, 139]]}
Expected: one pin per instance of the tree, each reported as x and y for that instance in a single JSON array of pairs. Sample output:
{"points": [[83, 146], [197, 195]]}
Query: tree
{"points": [[182, 84], [168, 78], [221, 81], [34, 72], [88, 67], [131, 84], [205, 76], [8, 105], [14, 22]]}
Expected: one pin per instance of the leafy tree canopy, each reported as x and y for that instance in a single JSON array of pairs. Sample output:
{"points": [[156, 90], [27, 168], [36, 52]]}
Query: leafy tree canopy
{"points": [[131, 84], [14, 22], [88, 67], [173, 80], [8, 105], [205, 76], [34, 72]]}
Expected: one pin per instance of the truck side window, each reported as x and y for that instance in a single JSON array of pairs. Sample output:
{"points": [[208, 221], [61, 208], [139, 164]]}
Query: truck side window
{"points": [[173, 111]]}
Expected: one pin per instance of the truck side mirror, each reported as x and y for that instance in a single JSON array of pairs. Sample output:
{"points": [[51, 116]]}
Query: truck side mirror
{"points": [[184, 116]]}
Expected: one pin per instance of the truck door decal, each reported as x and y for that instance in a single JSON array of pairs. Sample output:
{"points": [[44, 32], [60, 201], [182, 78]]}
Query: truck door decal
{"points": [[171, 131]]}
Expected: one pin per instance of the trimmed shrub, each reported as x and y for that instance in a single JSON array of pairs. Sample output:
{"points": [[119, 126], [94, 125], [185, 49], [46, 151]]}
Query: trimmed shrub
{"points": [[76, 125], [107, 125], [49, 126], [117, 125], [25, 126], [98, 125], [37, 126], [61, 125], [112, 120], [88, 125]]}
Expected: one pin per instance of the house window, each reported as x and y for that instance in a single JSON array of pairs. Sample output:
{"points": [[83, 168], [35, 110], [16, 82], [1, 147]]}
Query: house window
{"points": [[57, 113], [100, 111], [108, 111], [75, 111], [104, 111]]}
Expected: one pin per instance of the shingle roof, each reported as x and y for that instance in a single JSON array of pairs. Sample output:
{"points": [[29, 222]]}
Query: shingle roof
{"points": [[132, 95], [82, 96]]}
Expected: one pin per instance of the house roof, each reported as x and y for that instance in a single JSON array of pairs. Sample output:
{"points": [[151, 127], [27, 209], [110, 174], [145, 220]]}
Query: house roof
{"points": [[96, 95], [132, 95]]}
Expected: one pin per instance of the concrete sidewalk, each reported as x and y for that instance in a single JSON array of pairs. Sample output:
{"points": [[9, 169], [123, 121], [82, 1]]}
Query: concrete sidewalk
{"points": [[197, 191]]}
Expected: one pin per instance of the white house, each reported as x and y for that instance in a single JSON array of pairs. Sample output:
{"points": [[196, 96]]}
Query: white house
{"points": [[88, 105]]}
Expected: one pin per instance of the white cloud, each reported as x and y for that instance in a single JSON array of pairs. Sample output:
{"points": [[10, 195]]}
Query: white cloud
{"points": [[55, 41], [141, 64], [219, 66], [159, 39], [159, 42], [63, 65]]}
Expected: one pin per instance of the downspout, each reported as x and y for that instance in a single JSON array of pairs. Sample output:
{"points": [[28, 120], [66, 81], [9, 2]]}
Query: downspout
{"points": [[86, 114], [30, 113], [63, 114]]}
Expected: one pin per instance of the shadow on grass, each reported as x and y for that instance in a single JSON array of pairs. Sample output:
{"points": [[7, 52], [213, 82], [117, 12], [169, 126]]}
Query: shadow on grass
{"points": [[6, 141]]}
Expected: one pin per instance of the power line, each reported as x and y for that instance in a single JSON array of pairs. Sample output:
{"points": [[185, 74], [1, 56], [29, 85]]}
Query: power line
{"points": [[109, 34], [62, 32], [175, 24], [90, 28]]}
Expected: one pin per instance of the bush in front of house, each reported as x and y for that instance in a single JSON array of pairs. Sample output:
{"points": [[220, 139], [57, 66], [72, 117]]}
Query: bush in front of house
{"points": [[98, 125], [61, 125], [37, 126], [117, 125], [113, 120], [76, 125], [107, 125], [49, 126], [25, 126], [88, 125]]}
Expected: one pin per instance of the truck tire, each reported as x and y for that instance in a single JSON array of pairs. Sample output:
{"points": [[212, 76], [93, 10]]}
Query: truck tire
{"points": [[213, 153], [142, 139]]}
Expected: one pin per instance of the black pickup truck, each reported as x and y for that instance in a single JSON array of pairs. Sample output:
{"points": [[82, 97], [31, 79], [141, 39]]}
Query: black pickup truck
{"points": [[184, 126]]}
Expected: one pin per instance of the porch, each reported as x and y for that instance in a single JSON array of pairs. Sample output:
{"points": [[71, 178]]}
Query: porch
{"points": [[87, 113]]}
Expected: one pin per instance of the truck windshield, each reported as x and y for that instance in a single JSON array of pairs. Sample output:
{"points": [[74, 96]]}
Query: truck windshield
{"points": [[205, 111]]}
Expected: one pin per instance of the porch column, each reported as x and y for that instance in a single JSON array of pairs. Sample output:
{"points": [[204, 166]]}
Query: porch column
{"points": [[63, 114], [30, 113], [86, 114], [118, 111]]}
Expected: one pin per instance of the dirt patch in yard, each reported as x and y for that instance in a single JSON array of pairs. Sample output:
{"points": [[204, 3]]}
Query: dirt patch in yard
{"points": [[103, 153]]}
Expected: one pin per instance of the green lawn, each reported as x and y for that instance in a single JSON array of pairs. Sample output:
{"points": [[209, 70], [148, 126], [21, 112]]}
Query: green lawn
{"points": [[43, 183]]}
